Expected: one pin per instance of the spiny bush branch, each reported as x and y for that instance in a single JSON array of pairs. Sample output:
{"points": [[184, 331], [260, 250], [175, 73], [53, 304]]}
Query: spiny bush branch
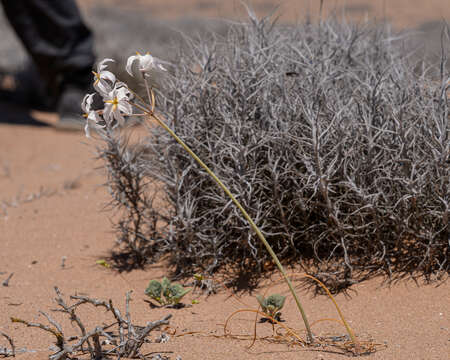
{"points": [[133, 194]]}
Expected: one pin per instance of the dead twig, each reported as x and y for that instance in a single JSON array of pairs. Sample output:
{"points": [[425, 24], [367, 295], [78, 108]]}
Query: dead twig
{"points": [[123, 338], [5, 351], [6, 282]]}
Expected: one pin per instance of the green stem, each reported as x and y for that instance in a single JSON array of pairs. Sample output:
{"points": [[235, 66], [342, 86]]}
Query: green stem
{"points": [[246, 216]]}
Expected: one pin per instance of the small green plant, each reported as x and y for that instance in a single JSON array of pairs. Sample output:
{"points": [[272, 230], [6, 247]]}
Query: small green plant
{"points": [[165, 292], [272, 305]]}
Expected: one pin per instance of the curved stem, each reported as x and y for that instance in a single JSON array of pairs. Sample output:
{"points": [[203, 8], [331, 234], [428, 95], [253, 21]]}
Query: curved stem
{"points": [[347, 326], [244, 213]]}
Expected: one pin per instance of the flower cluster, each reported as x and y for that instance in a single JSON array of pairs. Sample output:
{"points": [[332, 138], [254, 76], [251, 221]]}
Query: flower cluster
{"points": [[117, 97]]}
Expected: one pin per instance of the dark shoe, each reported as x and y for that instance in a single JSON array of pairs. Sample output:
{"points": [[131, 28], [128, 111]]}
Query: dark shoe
{"points": [[25, 88], [69, 109]]}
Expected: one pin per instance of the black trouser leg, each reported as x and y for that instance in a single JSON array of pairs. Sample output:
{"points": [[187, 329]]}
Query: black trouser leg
{"points": [[57, 39]]}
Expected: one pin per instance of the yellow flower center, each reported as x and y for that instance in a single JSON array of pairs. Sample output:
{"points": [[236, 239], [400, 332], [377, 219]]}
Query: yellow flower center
{"points": [[114, 102], [97, 77]]}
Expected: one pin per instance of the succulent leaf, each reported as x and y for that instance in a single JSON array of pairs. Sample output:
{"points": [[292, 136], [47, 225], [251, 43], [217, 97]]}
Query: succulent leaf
{"points": [[177, 291], [276, 301], [165, 282], [154, 290], [261, 301]]}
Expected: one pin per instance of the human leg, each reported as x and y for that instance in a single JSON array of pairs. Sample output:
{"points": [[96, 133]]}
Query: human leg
{"points": [[58, 42]]}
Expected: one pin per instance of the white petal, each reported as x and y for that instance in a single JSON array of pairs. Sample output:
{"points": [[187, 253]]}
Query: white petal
{"points": [[87, 103], [120, 119], [122, 94], [107, 112], [130, 62], [103, 88], [108, 75], [160, 67], [87, 130], [122, 87], [102, 64], [110, 95], [146, 62], [125, 108], [94, 116], [93, 120]]}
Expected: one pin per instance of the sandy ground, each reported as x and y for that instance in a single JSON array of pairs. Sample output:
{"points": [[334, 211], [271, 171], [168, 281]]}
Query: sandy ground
{"points": [[52, 206]]}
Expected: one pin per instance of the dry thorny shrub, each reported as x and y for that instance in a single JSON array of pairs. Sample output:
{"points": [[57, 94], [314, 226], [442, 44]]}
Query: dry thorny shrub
{"points": [[333, 138], [132, 190], [120, 339]]}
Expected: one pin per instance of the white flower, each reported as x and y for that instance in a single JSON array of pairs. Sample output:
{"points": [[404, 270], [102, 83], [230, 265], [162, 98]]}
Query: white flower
{"points": [[145, 64], [86, 104], [93, 119], [117, 104], [104, 79]]}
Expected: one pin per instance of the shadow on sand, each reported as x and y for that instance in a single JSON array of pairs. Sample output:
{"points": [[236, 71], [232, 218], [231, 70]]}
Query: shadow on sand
{"points": [[16, 115]]}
